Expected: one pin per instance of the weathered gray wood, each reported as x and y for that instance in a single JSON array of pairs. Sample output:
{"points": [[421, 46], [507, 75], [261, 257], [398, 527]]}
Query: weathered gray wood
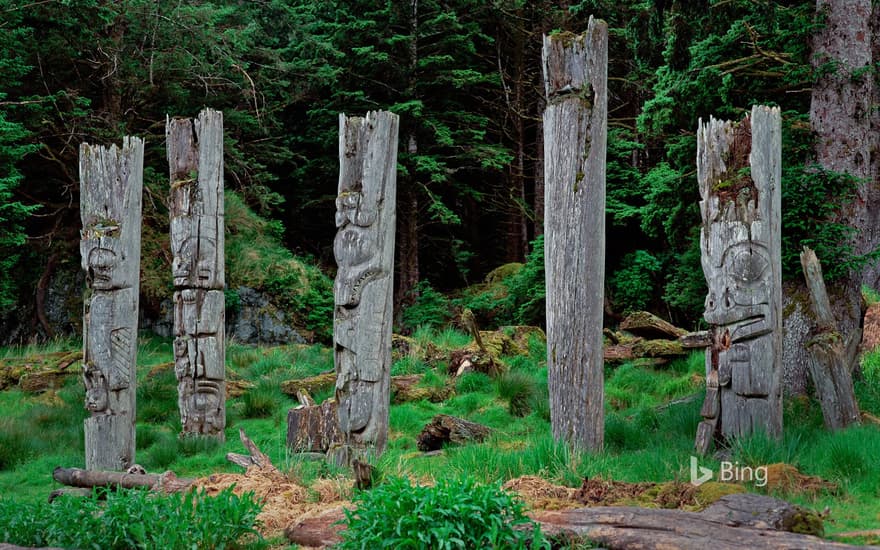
{"points": [[256, 458], [575, 127], [648, 325], [829, 366], [195, 159], [739, 172], [623, 527], [363, 289], [76, 477], [444, 429], [698, 339], [111, 182]]}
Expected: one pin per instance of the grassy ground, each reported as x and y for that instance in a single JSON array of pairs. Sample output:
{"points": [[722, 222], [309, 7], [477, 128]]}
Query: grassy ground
{"points": [[651, 419]]}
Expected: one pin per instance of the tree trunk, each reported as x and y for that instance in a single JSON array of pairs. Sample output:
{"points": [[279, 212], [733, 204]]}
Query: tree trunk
{"points": [[110, 208], [575, 125], [195, 158], [844, 117], [830, 365], [313, 428], [739, 173], [364, 286]]}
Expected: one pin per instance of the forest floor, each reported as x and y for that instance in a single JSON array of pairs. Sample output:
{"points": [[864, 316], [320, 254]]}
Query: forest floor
{"points": [[651, 419]]}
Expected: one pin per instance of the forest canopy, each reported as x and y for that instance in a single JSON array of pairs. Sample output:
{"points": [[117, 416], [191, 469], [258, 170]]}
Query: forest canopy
{"points": [[465, 78]]}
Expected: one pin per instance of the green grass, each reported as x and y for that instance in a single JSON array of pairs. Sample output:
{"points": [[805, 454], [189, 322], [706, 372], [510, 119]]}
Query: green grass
{"points": [[651, 419]]}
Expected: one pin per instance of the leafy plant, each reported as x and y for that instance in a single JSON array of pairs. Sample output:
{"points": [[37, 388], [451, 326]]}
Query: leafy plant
{"points": [[133, 519], [633, 284], [430, 309], [451, 514]]}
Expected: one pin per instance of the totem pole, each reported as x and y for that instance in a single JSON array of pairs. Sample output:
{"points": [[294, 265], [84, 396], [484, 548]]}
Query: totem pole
{"points": [[739, 172], [363, 289], [195, 158], [111, 181], [575, 127]]}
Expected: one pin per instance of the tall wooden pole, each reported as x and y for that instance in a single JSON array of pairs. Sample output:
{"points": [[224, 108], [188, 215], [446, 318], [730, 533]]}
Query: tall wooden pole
{"points": [[364, 286], [111, 182], [739, 173], [195, 158], [575, 127]]}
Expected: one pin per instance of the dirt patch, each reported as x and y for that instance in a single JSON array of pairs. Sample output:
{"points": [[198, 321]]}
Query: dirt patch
{"points": [[284, 501], [540, 494], [600, 492]]}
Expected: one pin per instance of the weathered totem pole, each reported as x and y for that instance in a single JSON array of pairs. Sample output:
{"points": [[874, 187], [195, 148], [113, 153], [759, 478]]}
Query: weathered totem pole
{"points": [[195, 158], [363, 289], [739, 172], [575, 126], [111, 181]]}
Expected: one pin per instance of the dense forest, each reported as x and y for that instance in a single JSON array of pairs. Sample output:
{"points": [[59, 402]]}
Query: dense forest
{"points": [[465, 78]]}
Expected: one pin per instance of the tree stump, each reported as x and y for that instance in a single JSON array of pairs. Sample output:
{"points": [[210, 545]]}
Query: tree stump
{"points": [[110, 208], [739, 172], [195, 158], [363, 289], [313, 428], [450, 429], [575, 125]]}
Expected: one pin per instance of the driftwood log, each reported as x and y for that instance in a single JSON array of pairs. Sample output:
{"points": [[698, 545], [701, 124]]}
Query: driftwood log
{"points": [[450, 429], [110, 246], [575, 124], [829, 365], [363, 288], [321, 530], [734, 522], [195, 159], [256, 458], [739, 172], [76, 477]]}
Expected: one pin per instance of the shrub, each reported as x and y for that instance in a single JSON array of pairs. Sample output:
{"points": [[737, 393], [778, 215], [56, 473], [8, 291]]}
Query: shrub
{"points": [[452, 514], [633, 285], [133, 519], [430, 309]]}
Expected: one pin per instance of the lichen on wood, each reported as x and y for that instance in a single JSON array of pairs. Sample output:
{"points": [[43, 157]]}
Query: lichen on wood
{"points": [[195, 159], [575, 128], [741, 257], [110, 245], [363, 288]]}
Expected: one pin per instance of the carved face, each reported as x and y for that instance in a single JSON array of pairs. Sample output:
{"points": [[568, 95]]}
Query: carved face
{"points": [[739, 293], [182, 365], [97, 399], [206, 401], [194, 262], [102, 264]]}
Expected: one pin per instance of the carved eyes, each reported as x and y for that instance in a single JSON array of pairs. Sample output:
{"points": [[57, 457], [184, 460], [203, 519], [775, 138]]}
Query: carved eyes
{"points": [[749, 265]]}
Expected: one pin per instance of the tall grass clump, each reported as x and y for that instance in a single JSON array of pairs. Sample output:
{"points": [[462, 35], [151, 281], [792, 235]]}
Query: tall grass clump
{"points": [[519, 390], [451, 514], [133, 519]]}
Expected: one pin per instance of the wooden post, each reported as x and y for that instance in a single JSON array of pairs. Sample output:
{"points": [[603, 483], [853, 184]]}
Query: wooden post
{"points": [[195, 158], [829, 365], [575, 125], [363, 289], [111, 182], [739, 172]]}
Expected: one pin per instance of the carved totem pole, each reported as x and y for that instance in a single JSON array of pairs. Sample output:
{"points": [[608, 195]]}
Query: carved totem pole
{"points": [[363, 289], [575, 125], [739, 172], [195, 158], [111, 181]]}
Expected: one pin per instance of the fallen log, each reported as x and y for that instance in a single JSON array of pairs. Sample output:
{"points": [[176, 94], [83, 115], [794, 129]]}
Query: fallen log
{"points": [[694, 340], [648, 325], [450, 429], [726, 527], [76, 477], [310, 385], [406, 388]]}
